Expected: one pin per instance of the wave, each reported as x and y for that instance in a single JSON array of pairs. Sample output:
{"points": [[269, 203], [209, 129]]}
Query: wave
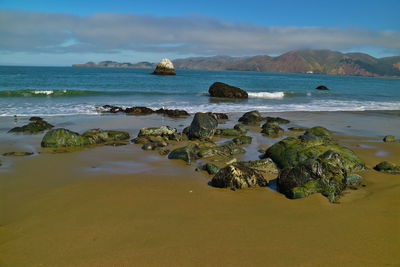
{"points": [[269, 95]]}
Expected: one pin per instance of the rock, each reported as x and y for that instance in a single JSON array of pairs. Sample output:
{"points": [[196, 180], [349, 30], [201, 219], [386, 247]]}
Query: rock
{"points": [[297, 129], [63, 138], [390, 138], [262, 165], [17, 154], [228, 132], [238, 177], [240, 128], [66, 138], [163, 131], [242, 140], [37, 125], [292, 151], [175, 113], [251, 118], [187, 153], [219, 116], [318, 131], [325, 174], [226, 149], [210, 168], [278, 120], [271, 129], [165, 67], [322, 87], [353, 179], [388, 167], [138, 111], [202, 127], [219, 89]]}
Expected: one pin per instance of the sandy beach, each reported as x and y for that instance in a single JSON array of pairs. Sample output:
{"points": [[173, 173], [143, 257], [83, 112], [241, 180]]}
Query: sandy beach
{"points": [[122, 206]]}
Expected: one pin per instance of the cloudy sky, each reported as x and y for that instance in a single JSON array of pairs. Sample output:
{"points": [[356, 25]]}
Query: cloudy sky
{"points": [[62, 33]]}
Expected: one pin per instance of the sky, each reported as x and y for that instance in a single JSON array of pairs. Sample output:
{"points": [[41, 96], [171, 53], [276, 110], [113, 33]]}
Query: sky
{"points": [[61, 33]]}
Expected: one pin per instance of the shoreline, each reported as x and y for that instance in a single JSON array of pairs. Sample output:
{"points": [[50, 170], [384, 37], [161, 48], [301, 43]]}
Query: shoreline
{"points": [[121, 205]]}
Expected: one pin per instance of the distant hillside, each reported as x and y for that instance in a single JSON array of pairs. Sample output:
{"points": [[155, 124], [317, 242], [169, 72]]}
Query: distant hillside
{"points": [[113, 64], [301, 61]]}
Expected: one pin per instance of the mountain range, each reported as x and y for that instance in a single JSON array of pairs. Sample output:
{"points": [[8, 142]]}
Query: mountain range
{"points": [[298, 61]]}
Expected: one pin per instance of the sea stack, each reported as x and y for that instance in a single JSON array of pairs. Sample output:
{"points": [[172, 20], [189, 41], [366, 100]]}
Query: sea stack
{"points": [[165, 67]]}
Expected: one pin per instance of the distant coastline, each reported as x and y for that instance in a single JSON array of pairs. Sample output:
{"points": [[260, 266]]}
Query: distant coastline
{"points": [[299, 61]]}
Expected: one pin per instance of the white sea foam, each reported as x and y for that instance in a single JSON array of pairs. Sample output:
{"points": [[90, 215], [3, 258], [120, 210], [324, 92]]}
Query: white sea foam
{"points": [[269, 95]]}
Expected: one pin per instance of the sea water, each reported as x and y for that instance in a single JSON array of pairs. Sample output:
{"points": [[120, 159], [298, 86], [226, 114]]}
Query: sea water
{"points": [[56, 91]]}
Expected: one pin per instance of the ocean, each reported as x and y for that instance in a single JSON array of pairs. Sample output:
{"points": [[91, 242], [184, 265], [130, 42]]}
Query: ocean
{"points": [[53, 91]]}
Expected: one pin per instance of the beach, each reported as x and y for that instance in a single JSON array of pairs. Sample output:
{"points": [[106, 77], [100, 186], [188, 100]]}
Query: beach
{"points": [[123, 206]]}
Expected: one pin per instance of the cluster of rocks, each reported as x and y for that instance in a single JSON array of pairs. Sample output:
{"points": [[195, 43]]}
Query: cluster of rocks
{"points": [[143, 111]]}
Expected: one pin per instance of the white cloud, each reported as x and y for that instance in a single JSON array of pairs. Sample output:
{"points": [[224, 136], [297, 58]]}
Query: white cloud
{"points": [[24, 31]]}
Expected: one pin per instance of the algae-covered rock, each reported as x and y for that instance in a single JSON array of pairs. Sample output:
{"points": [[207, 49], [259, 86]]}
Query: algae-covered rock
{"points": [[63, 138], [228, 132], [240, 128], [17, 154], [278, 120], [238, 177], [325, 174], [36, 125], [388, 167], [203, 126], [219, 89], [390, 138], [251, 118], [66, 138], [210, 168], [291, 151], [271, 129], [242, 140], [262, 165], [187, 153], [353, 179], [318, 131], [157, 131]]}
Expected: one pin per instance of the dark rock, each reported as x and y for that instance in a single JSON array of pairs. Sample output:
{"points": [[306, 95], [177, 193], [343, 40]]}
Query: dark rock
{"points": [[210, 168], [271, 129], [251, 118], [325, 174], [202, 127], [219, 116], [322, 87], [187, 153], [139, 111], [291, 151], [238, 177], [388, 167], [390, 138], [219, 89], [278, 120], [112, 109], [175, 113], [17, 154], [37, 125]]}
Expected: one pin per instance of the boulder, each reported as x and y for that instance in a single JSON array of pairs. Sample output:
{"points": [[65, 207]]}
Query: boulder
{"points": [[165, 67], [291, 151], [251, 118], [390, 138], [65, 138], [278, 120], [322, 87], [187, 153], [219, 89], [202, 127], [265, 165], [326, 175], [388, 167], [238, 177], [174, 113], [36, 125], [271, 129], [138, 111]]}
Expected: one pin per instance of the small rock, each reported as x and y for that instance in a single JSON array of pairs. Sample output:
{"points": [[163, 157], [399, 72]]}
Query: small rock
{"points": [[17, 154], [251, 118], [322, 87], [390, 138], [387, 167]]}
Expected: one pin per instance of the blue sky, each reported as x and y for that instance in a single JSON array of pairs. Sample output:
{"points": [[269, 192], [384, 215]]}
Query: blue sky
{"points": [[66, 32]]}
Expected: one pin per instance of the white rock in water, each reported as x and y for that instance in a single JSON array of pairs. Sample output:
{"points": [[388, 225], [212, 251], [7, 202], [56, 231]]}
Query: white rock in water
{"points": [[165, 67]]}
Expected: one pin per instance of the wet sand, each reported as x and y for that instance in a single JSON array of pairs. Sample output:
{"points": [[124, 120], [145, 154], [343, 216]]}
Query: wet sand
{"points": [[122, 206]]}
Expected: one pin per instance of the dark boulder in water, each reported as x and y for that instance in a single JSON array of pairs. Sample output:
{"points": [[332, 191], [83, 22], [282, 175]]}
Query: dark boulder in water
{"points": [[238, 177], [322, 87], [387, 167], [219, 89], [326, 175], [203, 126], [173, 112], [36, 125]]}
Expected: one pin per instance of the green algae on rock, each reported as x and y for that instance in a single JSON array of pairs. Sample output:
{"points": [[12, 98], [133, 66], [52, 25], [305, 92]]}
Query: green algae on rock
{"points": [[36, 125], [390, 139], [17, 154], [187, 153], [271, 129], [388, 167], [210, 168]]}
